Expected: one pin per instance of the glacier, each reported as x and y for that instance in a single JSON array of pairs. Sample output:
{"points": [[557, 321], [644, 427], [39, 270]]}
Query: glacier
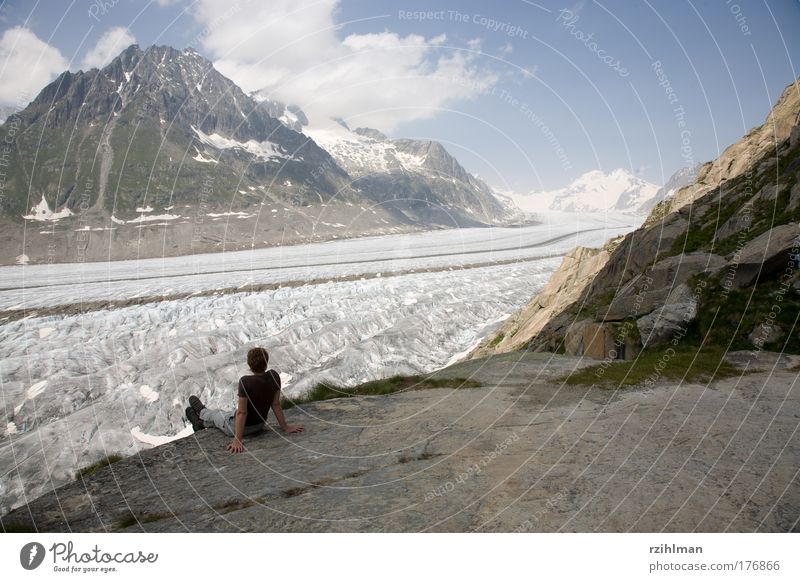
{"points": [[114, 381]]}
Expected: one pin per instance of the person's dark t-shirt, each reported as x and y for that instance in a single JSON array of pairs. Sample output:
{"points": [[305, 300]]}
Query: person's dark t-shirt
{"points": [[259, 389]]}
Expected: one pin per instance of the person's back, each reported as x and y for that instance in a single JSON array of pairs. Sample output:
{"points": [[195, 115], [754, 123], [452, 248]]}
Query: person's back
{"points": [[256, 394], [260, 390]]}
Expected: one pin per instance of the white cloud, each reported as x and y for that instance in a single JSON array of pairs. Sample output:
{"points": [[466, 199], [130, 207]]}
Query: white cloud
{"points": [[475, 44], [108, 46], [291, 51], [27, 64]]}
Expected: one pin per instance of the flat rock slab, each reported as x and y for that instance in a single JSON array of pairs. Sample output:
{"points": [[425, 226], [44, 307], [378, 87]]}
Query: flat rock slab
{"points": [[523, 453]]}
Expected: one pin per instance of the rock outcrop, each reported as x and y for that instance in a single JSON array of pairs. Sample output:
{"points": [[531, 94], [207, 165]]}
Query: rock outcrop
{"points": [[771, 252], [577, 269], [708, 263], [600, 341], [644, 293], [780, 125]]}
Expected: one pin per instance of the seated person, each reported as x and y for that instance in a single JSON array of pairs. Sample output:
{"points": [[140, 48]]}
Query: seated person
{"points": [[257, 394]]}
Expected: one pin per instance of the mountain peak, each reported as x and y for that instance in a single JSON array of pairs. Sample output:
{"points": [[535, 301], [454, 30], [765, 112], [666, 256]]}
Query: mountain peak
{"points": [[594, 191], [372, 133]]}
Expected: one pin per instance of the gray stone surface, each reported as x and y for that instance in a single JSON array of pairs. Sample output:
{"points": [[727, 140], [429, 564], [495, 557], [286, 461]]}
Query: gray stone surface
{"points": [[794, 196], [770, 192], [766, 254], [653, 290], [522, 453], [665, 322]]}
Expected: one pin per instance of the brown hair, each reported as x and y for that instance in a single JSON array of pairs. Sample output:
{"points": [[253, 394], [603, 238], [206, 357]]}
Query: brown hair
{"points": [[257, 359]]}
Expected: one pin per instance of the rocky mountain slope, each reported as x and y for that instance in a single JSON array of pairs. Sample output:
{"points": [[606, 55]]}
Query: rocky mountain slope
{"points": [[618, 191], [680, 179], [158, 153], [152, 128], [418, 178], [753, 153], [715, 263]]}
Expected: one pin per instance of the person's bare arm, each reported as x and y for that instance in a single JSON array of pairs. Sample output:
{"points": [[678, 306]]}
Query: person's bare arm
{"points": [[276, 408], [236, 445]]}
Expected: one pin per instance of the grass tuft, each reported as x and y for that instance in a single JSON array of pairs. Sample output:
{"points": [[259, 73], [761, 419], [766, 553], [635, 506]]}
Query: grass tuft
{"points": [[500, 337], [94, 467], [131, 519], [654, 364], [391, 385], [18, 528]]}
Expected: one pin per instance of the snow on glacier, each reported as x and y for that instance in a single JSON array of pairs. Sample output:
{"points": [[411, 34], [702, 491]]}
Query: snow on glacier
{"points": [[46, 285], [79, 387]]}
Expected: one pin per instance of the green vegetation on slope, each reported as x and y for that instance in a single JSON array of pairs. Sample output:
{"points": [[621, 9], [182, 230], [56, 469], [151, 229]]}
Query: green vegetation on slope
{"points": [[391, 385], [765, 214], [683, 363], [728, 317], [104, 462], [500, 337]]}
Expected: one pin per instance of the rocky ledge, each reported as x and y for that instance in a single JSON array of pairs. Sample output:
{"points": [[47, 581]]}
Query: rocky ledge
{"points": [[523, 453]]}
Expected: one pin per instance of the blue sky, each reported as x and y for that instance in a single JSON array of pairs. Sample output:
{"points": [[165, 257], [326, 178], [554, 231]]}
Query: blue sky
{"points": [[527, 95]]}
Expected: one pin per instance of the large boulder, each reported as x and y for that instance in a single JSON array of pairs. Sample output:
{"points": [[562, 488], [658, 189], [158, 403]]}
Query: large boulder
{"points": [[650, 291], [771, 252], [765, 333], [770, 192], [601, 341], [741, 220], [670, 319]]}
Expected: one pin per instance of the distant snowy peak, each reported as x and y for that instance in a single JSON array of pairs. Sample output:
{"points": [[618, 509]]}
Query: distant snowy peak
{"points": [[420, 172], [618, 191], [361, 153], [372, 133], [289, 115], [368, 151], [595, 191]]}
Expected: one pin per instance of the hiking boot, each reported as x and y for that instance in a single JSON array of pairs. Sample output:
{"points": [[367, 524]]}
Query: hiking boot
{"points": [[196, 404], [197, 423]]}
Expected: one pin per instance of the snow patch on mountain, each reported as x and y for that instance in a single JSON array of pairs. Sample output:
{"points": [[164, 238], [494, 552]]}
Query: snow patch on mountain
{"points": [[42, 213], [199, 157], [264, 150], [153, 218]]}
